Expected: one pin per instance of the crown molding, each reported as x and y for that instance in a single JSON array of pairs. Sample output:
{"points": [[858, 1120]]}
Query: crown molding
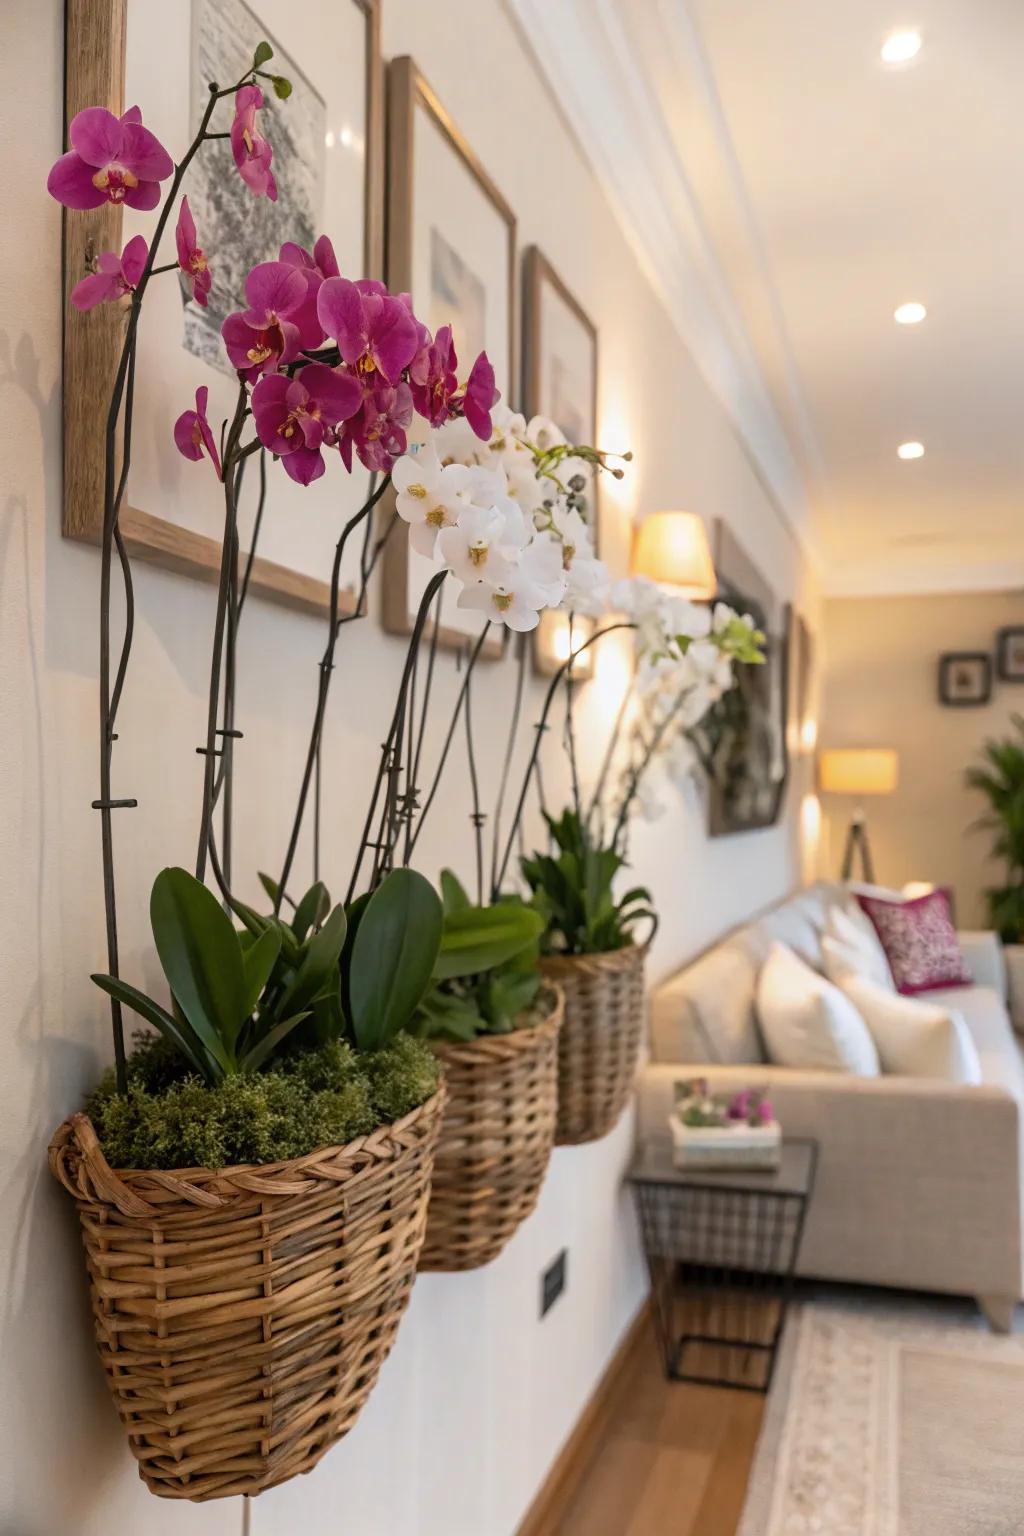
{"points": [[871, 580], [586, 56]]}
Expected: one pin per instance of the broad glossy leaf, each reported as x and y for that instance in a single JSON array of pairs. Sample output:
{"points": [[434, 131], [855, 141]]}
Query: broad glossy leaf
{"points": [[201, 957], [258, 960], [320, 959], [311, 910], [269, 1042], [453, 893], [178, 1032], [393, 956], [480, 938]]}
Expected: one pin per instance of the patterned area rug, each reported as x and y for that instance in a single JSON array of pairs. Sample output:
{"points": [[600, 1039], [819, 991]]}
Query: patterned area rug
{"points": [[891, 1417]]}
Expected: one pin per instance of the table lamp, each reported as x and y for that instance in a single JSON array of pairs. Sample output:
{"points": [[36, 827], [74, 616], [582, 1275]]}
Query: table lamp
{"points": [[858, 772], [672, 548]]}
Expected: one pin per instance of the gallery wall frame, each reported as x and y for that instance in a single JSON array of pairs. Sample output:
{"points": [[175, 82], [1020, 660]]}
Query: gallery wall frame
{"points": [[96, 54], [965, 679], [554, 386], [1010, 654], [445, 287]]}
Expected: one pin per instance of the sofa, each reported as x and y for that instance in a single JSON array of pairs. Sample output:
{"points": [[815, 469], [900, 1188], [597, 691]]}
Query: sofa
{"points": [[919, 1181]]}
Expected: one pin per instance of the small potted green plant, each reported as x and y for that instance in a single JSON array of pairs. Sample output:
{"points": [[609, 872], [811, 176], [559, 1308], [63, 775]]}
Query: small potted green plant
{"points": [[492, 1022]]}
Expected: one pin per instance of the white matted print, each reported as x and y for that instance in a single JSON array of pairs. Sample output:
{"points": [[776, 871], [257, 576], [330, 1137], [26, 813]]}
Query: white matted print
{"points": [[320, 142], [451, 244]]}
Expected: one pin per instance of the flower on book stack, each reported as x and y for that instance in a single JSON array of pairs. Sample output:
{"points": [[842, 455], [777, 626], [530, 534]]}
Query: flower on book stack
{"points": [[723, 1130]]}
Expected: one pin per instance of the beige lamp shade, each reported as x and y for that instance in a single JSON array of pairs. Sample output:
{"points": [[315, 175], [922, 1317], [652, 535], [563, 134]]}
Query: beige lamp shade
{"points": [[858, 771], [672, 547]]}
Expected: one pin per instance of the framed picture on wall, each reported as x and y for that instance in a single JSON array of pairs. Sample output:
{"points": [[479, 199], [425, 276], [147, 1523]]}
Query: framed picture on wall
{"points": [[451, 244], [799, 682], [1010, 654], [327, 140], [743, 738], [965, 678], [560, 361]]}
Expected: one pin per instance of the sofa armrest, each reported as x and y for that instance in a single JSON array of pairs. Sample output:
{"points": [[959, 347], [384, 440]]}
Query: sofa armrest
{"points": [[919, 1181], [983, 956]]}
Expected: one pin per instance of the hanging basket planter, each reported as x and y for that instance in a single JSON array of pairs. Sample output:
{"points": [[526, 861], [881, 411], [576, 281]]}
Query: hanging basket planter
{"points": [[242, 1316], [599, 1044], [495, 1140]]}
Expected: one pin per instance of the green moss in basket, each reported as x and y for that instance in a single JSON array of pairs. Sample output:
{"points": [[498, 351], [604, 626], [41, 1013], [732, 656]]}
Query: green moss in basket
{"points": [[169, 1118], [486, 978]]}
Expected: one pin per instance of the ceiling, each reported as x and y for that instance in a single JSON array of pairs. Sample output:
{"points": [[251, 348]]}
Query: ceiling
{"points": [[803, 190]]}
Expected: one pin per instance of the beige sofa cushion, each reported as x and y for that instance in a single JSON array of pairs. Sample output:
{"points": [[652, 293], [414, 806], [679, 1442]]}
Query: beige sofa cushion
{"points": [[706, 1012], [985, 1015]]}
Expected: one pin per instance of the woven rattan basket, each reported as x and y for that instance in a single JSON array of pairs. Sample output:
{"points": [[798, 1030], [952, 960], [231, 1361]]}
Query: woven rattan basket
{"points": [[242, 1316], [495, 1142], [600, 1038]]}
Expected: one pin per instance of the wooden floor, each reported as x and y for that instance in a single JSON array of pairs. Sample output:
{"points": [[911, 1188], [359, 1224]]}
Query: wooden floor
{"points": [[673, 1459]]}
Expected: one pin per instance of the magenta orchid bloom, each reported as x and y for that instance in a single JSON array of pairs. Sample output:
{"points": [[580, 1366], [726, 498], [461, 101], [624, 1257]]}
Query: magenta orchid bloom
{"points": [[191, 259], [434, 377], [295, 417], [480, 397], [378, 432], [315, 270], [375, 331], [253, 153], [114, 276], [192, 432], [260, 338], [111, 160]]}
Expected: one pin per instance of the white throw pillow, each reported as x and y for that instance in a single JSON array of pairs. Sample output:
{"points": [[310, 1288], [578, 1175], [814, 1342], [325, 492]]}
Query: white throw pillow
{"points": [[915, 1038], [852, 947], [807, 1022]]}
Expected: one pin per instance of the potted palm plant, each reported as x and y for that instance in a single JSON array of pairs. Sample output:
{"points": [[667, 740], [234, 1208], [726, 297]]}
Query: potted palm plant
{"points": [[999, 777]]}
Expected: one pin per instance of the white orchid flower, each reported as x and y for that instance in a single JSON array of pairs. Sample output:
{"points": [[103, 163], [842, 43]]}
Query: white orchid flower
{"points": [[514, 602], [424, 497], [474, 550], [543, 433], [542, 565]]}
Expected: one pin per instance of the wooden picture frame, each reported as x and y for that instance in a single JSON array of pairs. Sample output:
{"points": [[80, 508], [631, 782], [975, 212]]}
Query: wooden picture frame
{"points": [[1008, 668], [957, 666], [538, 273], [409, 94], [95, 70]]}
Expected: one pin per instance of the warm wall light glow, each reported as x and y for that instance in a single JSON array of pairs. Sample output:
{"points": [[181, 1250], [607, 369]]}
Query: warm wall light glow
{"points": [[900, 47], [910, 314], [810, 837], [672, 547], [551, 644], [809, 735], [858, 771], [915, 888], [911, 450]]}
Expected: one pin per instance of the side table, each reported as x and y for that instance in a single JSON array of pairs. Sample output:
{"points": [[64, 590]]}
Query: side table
{"points": [[722, 1250]]}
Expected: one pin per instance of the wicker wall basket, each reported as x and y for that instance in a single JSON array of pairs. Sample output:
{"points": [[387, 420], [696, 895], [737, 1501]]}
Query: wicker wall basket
{"points": [[495, 1142], [599, 1044], [242, 1316]]}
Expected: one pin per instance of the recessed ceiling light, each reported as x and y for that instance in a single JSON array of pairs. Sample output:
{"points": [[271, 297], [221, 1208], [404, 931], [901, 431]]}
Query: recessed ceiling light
{"points": [[900, 47], [910, 314], [911, 450]]}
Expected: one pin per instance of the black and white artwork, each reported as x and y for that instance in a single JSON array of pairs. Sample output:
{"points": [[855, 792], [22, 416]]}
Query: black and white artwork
{"points": [[238, 229]]}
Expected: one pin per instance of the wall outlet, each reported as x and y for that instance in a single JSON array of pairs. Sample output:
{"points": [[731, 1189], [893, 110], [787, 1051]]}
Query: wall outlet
{"points": [[552, 1282]]}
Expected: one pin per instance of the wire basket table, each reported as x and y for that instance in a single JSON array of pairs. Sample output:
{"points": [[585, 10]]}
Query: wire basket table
{"points": [[722, 1250]]}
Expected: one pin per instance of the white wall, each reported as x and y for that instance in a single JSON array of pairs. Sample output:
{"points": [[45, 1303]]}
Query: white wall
{"points": [[478, 1394]]}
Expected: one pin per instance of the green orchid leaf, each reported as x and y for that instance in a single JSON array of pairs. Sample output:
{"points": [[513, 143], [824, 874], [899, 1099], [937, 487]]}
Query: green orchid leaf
{"points": [[479, 938], [311, 910], [393, 956], [269, 1042], [453, 893], [178, 1032], [201, 957], [258, 960], [319, 961]]}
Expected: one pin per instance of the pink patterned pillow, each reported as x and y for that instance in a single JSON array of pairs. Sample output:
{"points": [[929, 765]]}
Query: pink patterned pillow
{"points": [[919, 940]]}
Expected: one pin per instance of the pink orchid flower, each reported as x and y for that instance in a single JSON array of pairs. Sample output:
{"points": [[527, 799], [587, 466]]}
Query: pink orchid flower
{"points": [[111, 160], [377, 432], [295, 417], [375, 331], [115, 276], [253, 153], [434, 377], [480, 397], [192, 432], [315, 269], [260, 338], [191, 259]]}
